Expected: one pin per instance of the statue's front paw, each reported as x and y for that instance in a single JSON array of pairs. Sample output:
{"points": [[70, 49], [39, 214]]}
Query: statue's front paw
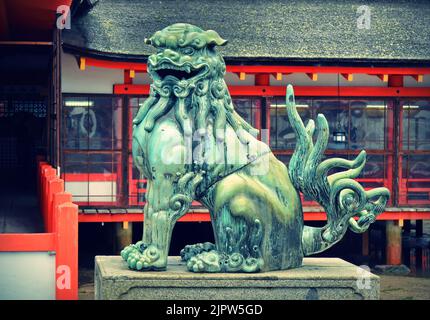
{"points": [[214, 261], [192, 250], [142, 257], [205, 262]]}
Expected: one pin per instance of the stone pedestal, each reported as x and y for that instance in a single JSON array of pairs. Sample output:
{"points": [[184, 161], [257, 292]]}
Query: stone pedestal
{"points": [[318, 278]]}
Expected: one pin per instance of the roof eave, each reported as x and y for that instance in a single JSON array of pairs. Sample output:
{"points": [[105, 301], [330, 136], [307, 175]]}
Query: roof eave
{"points": [[247, 60]]}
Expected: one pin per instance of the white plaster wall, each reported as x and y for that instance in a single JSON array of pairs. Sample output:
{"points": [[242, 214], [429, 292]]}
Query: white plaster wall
{"points": [[411, 82], [230, 78], [142, 78], [27, 276], [93, 191], [90, 80], [101, 80], [233, 80], [329, 80]]}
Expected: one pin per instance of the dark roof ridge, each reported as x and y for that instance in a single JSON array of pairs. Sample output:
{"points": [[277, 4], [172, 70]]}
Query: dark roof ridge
{"points": [[272, 29]]}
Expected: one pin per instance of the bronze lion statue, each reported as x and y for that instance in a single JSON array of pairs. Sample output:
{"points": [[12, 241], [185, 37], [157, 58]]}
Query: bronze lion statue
{"points": [[191, 144]]}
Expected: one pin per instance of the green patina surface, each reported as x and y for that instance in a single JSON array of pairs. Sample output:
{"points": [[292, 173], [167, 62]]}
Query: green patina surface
{"points": [[190, 144]]}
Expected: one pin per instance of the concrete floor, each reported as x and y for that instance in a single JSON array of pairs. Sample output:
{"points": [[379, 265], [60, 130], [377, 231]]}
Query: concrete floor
{"points": [[405, 288]]}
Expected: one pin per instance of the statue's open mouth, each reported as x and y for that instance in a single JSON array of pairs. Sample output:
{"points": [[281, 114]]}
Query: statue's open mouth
{"points": [[183, 72]]}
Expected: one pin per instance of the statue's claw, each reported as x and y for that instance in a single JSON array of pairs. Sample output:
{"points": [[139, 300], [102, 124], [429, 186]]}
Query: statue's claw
{"points": [[214, 261], [192, 250], [142, 257]]}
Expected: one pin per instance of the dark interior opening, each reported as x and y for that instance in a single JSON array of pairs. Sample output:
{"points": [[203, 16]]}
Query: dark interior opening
{"points": [[23, 122]]}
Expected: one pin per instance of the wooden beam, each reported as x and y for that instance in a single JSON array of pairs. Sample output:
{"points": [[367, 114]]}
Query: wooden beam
{"points": [[418, 77], [312, 76], [254, 69], [123, 236], [204, 216], [82, 61], [262, 79], [136, 66], [305, 91], [348, 76], [394, 243], [327, 69], [137, 217], [395, 80], [365, 243], [383, 77], [25, 43], [27, 242], [127, 77]]}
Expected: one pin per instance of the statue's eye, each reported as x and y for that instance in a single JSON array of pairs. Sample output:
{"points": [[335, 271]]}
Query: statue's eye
{"points": [[188, 51]]}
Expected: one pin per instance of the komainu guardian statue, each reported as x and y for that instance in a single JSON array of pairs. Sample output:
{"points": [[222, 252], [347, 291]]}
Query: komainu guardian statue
{"points": [[190, 144]]}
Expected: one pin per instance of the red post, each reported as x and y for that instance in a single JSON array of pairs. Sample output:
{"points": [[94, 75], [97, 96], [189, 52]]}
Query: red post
{"points": [[395, 81], [52, 185], [389, 182], [47, 173], [394, 243], [127, 77], [262, 79], [42, 174], [55, 185], [58, 199], [40, 166], [67, 252]]}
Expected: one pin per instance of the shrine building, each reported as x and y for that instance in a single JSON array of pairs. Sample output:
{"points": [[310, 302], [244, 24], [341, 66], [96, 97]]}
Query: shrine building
{"points": [[366, 68]]}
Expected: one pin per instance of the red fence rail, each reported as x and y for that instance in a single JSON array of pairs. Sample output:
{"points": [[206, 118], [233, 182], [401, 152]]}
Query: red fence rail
{"points": [[60, 218]]}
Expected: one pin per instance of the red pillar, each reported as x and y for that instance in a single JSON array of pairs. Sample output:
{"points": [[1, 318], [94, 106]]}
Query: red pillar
{"points": [[67, 252], [262, 79], [394, 243], [395, 81], [42, 177], [55, 185], [58, 199], [40, 166], [393, 229], [127, 77], [48, 174]]}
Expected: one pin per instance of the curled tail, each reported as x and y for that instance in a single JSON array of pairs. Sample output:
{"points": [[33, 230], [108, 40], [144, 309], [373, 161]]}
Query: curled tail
{"points": [[344, 200]]}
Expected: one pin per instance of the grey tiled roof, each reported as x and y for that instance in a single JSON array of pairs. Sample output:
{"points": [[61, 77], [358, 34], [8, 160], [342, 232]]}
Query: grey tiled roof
{"points": [[267, 30]]}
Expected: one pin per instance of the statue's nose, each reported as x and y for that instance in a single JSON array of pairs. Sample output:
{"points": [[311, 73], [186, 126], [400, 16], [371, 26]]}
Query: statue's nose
{"points": [[172, 55]]}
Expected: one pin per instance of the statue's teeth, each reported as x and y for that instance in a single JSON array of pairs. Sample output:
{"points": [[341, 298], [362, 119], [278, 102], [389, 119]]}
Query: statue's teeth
{"points": [[169, 66]]}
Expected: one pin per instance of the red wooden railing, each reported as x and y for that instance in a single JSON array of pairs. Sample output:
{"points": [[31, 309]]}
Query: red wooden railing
{"points": [[408, 186], [60, 218]]}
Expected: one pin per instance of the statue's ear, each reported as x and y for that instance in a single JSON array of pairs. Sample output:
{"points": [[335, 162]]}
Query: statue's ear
{"points": [[213, 38], [154, 40]]}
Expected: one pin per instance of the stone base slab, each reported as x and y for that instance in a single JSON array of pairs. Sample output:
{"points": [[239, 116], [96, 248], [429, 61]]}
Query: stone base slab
{"points": [[317, 279]]}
